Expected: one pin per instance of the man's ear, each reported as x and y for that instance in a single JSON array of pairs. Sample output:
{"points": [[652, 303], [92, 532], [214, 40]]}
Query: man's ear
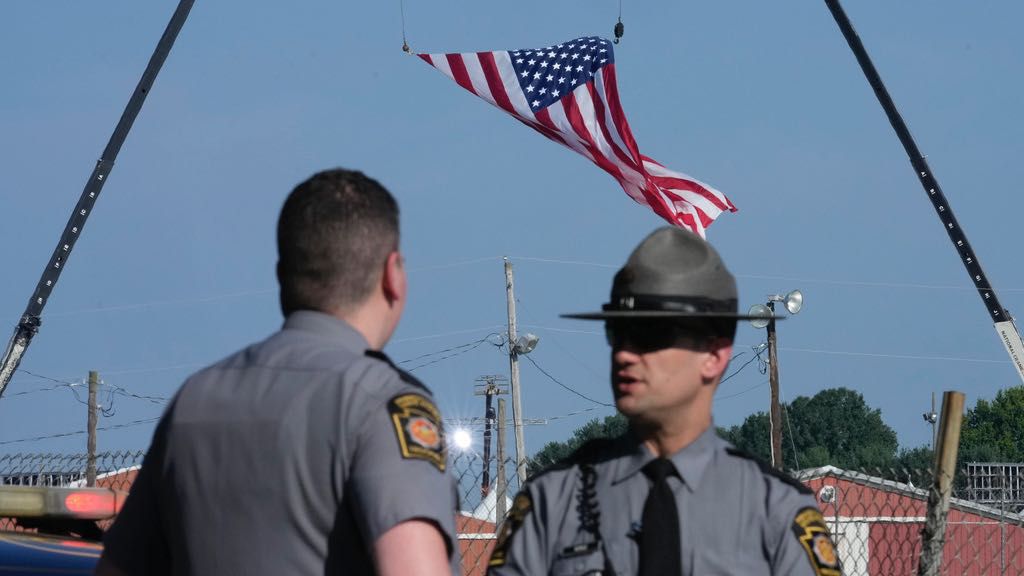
{"points": [[716, 358], [393, 280]]}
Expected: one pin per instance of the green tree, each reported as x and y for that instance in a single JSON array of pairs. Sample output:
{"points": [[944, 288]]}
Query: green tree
{"points": [[994, 431], [914, 465], [835, 426], [554, 452]]}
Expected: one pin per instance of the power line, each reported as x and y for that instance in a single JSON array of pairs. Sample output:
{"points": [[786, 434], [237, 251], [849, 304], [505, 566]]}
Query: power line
{"points": [[57, 380], [756, 356], [443, 334], [789, 424], [156, 303], [894, 356], [114, 389], [744, 391], [79, 432], [555, 380], [261, 292], [559, 261], [460, 346], [871, 284], [571, 414], [455, 264], [461, 350]]}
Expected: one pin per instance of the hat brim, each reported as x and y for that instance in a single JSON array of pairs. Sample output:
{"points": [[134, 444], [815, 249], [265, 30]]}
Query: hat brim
{"points": [[642, 314]]}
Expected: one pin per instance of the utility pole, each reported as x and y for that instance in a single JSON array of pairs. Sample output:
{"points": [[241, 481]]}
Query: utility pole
{"points": [[513, 361], [90, 467], [775, 414], [501, 485], [489, 389]]}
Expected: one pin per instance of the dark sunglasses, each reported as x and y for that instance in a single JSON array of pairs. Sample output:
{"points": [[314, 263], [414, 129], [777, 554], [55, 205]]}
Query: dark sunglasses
{"points": [[648, 336]]}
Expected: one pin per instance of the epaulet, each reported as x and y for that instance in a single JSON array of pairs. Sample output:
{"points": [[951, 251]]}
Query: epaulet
{"points": [[588, 453], [767, 469], [405, 376], [591, 451]]}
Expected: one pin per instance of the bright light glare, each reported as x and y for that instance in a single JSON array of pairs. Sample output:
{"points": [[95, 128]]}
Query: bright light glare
{"points": [[462, 439]]}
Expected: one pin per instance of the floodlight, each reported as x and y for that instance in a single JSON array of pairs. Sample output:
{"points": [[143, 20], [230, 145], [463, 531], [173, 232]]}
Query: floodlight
{"points": [[526, 343], [794, 301], [760, 310]]}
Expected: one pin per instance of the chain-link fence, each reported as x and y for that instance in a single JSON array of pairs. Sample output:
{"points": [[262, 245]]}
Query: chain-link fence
{"points": [[483, 502], [114, 470], [876, 516]]}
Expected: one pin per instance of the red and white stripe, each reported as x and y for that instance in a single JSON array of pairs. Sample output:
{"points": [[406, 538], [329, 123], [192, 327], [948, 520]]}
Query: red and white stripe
{"points": [[590, 121]]}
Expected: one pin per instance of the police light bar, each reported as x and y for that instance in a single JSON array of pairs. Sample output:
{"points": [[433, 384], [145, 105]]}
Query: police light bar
{"points": [[50, 502]]}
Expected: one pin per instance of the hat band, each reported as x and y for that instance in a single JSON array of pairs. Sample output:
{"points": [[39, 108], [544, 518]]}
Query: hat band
{"points": [[688, 304]]}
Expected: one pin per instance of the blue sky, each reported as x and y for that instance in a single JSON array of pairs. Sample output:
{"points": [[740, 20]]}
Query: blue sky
{"points": [[764, 101]]}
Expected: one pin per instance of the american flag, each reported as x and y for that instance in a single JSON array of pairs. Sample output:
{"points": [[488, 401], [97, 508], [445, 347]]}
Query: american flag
{"points": [[568, 93]]}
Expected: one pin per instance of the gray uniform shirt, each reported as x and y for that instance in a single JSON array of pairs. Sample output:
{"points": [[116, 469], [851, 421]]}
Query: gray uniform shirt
{"points": [[290, 457], [737, 515]]}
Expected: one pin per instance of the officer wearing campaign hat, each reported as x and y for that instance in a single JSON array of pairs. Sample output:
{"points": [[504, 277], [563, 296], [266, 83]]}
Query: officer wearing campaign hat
{"points": [[669, 497]]}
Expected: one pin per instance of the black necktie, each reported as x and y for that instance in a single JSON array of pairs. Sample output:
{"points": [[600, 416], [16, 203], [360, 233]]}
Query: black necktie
{"points": [[659, 539]]}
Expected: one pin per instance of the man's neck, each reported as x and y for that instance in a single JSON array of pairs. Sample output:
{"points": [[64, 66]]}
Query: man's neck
{"points": [[367, 322], [664, 440]]}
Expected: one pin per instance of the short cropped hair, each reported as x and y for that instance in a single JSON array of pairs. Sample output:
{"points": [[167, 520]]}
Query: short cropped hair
{"points": [[334, 234]]}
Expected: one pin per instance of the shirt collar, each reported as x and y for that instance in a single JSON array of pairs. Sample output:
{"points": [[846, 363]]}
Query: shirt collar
{"points": [[690, 462], [329, 327]]}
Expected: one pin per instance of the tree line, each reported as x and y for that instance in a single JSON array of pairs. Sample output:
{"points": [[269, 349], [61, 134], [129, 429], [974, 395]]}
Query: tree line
{"points": [[836, 427]]}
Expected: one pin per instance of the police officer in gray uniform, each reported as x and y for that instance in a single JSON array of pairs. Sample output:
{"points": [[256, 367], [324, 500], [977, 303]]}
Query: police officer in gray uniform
{"points": [[669, 497], [308, 452]]}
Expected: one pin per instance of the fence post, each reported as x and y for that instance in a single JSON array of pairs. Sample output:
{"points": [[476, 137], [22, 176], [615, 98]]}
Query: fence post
{"points": [[933, 536]]}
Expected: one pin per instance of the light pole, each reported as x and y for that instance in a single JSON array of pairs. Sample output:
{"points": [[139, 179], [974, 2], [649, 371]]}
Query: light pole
{"points": [[794, 301], [931, 418]]}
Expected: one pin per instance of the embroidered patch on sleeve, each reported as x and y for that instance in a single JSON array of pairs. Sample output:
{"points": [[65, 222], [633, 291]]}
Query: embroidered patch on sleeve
{"points": [[812, 533], [418, 427], [521, 506]]}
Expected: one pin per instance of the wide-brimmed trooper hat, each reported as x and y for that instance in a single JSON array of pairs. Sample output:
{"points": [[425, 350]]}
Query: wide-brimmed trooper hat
{"points": [[673, 273]]}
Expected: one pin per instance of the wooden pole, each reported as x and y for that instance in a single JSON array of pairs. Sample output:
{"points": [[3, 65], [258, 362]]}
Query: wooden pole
{"points": [[90, 469], [501, 482], [513, 361], [933, 535], [489, 388], [775, 413]]}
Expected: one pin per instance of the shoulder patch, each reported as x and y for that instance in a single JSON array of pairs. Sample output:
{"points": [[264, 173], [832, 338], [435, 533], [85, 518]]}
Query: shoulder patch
{"points": [[405, 376], [419, 429], [521, 506], [767, 468], [812, 533]]}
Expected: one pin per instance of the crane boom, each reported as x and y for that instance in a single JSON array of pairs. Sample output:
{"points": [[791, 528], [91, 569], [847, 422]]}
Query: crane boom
{"points": [[32, 318], [1003, 322]]}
